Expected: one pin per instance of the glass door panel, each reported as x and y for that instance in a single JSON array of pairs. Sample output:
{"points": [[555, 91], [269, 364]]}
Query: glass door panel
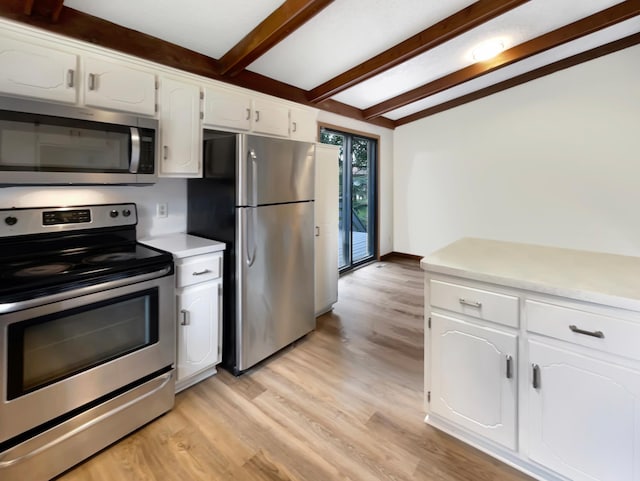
{"points": [[356, 229]]}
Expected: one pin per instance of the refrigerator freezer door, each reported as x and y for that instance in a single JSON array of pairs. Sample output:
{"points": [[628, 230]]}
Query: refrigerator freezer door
{"points": [[275, 303], [274, 171]]}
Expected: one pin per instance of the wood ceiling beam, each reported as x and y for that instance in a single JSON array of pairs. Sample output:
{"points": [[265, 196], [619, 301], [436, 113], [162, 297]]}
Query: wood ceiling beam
{"points": [[573, 31], [451, 27], [45, 8], [287, 18], [87, 28], [606, 49]]}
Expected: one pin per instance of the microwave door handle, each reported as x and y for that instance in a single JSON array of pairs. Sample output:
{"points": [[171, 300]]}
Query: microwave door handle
{"points": [[135, 150]]}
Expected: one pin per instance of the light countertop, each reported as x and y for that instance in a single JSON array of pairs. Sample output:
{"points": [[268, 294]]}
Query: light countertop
{"points": [[184, 245], [588, 276]]}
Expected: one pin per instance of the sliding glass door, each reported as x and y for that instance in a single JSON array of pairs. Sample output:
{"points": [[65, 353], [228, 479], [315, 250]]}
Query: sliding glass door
{"points": [[357, 180]]}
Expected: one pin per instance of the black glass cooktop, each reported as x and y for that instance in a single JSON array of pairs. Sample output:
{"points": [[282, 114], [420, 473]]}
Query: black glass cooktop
{"points": [[49, 271]]}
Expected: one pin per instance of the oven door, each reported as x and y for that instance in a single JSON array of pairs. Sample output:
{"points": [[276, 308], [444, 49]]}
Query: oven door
{"points": [[66, 354]]}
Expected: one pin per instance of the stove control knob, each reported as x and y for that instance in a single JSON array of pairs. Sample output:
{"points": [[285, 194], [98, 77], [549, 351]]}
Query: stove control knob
{"points": [[113, 213], [10, 220], [126, 212]]}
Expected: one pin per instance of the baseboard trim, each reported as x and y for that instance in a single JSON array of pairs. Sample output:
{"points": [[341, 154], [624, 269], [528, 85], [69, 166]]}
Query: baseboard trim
{"points": [[391, 255]]}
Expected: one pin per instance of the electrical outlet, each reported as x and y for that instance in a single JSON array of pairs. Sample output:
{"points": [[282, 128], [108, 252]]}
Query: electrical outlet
{"points": [[162, 209]]}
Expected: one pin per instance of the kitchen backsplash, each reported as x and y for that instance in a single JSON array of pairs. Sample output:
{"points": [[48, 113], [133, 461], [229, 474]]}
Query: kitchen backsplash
{"points": [[172, 192]]}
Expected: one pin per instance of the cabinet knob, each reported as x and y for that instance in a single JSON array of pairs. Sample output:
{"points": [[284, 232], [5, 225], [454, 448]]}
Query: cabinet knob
{"points": [[185, 317], [509, 367], [536, 376], [71, 78], [257, 116], [248, 114], [165, 154], [92, 81], [317, 231]]}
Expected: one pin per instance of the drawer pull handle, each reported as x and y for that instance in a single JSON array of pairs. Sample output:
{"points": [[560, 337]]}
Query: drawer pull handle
{"points": [[509, 367], [536, 376], [70, 78], [598, 334], [201, 273], [185, 317], [470, 303], [92, 81]]}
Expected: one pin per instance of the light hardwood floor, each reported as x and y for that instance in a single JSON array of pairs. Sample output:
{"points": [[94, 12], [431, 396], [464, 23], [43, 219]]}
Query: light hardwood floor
{"points": [[344, 403]]}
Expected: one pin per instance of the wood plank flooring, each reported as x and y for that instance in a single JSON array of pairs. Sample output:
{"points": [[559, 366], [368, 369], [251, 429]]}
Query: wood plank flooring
{"points": [[344, 403]]}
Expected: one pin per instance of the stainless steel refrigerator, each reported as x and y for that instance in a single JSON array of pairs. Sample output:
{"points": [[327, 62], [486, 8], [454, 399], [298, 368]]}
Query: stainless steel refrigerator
{"points": [[257, 196]]}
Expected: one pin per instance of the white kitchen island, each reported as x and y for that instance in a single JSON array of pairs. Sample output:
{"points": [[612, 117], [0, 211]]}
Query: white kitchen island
{"points": [[532, 354]]}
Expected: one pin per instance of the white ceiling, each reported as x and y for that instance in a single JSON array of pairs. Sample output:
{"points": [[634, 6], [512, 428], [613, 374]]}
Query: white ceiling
{"points": [[348, 32]]}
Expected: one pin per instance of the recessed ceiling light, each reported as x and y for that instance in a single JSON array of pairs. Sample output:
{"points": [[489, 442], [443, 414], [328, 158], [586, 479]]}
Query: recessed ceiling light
{"points": [[487, 50]]}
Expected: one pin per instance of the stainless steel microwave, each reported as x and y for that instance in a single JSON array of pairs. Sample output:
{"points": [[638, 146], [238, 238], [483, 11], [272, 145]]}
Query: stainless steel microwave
{"points": [[45, 143]]}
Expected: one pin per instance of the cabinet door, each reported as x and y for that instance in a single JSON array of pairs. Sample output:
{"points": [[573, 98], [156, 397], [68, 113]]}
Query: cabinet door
{"points": [[198, 328], [270, 118], [33, 71], [326, 267], [327, 184], [303, 125], [224, 108], [180, 129], [584, 416], [113, 86], [473, 378], [326, 221]]}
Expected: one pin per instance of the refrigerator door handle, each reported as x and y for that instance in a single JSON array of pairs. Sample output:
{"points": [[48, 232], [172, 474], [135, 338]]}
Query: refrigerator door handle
{"points": [[253, 170], [250, 237], [254, 177]]}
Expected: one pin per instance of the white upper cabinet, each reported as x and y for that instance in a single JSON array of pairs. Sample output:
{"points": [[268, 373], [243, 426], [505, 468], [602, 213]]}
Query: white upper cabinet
{"points": [[180, 129], [114, 86], [226, 109], [303, 125], [29, 70], [271, 118]]}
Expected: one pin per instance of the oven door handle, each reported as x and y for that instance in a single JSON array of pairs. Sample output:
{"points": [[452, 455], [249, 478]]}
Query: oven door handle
{"points": [[61, 296]]}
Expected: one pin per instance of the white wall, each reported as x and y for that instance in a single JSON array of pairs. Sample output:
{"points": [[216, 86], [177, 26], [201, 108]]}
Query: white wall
{"points": [[385, 175], [555, 161], [171, 191]]}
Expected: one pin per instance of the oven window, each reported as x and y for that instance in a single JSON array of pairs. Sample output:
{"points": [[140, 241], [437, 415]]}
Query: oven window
{"points": [[56, 346]]}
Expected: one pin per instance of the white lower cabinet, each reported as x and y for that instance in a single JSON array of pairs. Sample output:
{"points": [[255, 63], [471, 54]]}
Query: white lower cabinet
{"points": [[584, 415], [549, 384], [473, 381], [199, 308], [326, 267], [199, 289]]}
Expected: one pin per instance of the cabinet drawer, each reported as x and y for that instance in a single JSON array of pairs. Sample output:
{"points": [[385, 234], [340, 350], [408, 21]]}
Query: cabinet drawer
{"points": [[489, 306], [198, 269], [604, 333]]}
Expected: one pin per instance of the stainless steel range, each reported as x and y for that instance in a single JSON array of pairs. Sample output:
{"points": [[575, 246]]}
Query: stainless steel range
{"points": [[87, 335]]}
